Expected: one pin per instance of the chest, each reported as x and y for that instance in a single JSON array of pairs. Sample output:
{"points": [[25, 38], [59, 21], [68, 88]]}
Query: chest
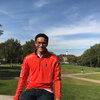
{"points": [[41, 65]]}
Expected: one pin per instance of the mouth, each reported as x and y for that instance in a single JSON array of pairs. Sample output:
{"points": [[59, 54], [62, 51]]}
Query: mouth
{"points": [[40, 47]]}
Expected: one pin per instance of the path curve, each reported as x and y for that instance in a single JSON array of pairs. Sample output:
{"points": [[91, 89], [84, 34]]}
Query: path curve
{"points": [[6, 97], [80, 78]]}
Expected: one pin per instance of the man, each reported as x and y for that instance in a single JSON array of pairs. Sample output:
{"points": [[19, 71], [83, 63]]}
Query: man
{"points": [[39, 70]]}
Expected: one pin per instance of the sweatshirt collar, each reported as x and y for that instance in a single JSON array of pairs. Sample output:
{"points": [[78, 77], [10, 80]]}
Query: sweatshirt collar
{"points": [[41, 56]]}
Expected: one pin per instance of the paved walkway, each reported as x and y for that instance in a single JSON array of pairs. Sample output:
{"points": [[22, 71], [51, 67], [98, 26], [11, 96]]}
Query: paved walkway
{"points": [[80, 78], [3, 97]]}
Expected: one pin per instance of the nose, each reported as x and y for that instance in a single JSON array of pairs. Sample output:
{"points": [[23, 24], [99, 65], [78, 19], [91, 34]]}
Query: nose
{"points": [[41, 44]]}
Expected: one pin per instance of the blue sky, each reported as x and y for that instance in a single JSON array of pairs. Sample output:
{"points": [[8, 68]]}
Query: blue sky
{"points": [[72, 25]]}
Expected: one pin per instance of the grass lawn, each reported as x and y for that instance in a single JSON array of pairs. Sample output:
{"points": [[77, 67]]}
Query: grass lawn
{"points": [[72, 89], [69, 69], [9, 70], [8, 87], [91, 76]]}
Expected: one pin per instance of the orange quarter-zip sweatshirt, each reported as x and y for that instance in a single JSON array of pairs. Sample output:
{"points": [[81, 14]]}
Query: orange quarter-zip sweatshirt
{"points": [[40, 73]]}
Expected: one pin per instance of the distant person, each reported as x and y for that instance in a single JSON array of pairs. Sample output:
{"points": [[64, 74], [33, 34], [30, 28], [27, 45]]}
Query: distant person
{"points": [[82, 70], [39, 70]]}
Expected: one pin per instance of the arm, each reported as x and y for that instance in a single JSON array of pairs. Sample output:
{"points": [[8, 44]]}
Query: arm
{"points": [[22, 79], [57, 98], [57, 81]]}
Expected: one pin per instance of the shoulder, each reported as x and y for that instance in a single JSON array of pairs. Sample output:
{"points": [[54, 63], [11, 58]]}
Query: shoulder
{"points": [[29, 56], [54, 57]]}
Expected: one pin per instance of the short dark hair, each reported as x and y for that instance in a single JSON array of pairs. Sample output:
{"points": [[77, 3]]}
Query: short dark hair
{"points": [[42, 35]]}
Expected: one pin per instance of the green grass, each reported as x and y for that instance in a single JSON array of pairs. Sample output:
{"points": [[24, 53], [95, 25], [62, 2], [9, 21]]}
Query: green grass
{"points": [[72, 89], [7, 83], [91, 76], [8, 87], [69, 69], [9, 70]]}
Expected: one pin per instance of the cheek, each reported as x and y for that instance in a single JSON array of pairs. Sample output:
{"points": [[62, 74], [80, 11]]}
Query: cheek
{"points": [[36, 46], [39, 47]]}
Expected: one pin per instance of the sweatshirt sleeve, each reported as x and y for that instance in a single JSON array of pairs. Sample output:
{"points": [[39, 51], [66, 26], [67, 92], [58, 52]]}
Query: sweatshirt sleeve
{"points": [[23, 76], [57, 80]]}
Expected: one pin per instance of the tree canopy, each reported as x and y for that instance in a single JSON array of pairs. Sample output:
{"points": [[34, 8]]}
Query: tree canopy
{"points": [[14, 52], [28, 47], [91, 57]]}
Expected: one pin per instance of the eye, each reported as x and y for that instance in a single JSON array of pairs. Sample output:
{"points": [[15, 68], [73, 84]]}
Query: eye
{"points": [[44, 43]]}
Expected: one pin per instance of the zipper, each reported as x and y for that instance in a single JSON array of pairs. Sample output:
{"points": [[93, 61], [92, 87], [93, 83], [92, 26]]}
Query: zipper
{"points": [[40, 59]]}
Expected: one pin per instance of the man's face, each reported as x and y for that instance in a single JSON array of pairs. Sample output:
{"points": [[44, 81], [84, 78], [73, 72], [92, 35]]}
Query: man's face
{"points": [[41, 44]]}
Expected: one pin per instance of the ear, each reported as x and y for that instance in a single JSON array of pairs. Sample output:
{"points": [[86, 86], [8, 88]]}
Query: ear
{"points": [[35, 42], [46, 44]]}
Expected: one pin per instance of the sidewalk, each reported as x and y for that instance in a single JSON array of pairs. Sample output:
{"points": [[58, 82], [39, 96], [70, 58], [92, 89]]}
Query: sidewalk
{"points": [[80, 78], [5, 97]]}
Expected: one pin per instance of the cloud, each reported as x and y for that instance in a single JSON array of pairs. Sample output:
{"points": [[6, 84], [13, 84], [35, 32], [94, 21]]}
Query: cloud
{"points": [[87, 25], [6, 13], [3, 12], [58, 41], [41, 3], [29, 28], [73, 44], [7, 35], [76, 47]]}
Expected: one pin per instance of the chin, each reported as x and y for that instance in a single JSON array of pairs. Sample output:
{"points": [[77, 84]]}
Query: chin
{"points": [[41, 50]]}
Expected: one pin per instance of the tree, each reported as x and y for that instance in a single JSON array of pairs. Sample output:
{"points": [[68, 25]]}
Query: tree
{"points": [[72, 59], [2, 50], [12, 51], [91, 57], [1, 31], [60, 58], [28, 48]]}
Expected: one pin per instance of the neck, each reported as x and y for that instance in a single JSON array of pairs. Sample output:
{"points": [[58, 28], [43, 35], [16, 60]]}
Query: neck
{"points": [[40, 54]]}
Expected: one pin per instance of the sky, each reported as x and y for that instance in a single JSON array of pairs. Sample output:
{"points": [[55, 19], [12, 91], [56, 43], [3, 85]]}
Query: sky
{"points": [[73, 26]]}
